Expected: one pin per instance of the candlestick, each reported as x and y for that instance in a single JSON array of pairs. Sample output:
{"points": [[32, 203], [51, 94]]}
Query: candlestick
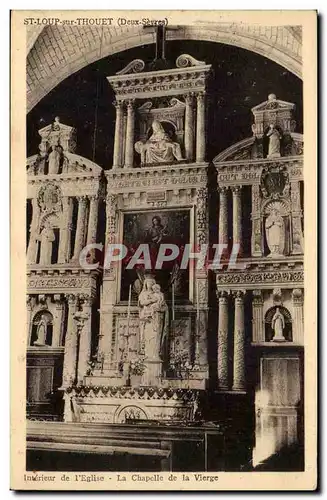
{"points": [[129, 307], [197, 301], [173, 301]]}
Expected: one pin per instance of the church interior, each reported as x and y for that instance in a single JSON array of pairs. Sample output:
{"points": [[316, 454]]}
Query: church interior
{"points": [[182, 141]]}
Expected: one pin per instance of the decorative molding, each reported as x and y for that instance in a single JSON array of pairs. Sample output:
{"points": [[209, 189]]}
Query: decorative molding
{"points": [[135, 66], [266, 278], [185, 60], [134, 393]]}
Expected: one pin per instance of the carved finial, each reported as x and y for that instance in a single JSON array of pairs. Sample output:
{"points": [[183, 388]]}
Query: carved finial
{"points": [[135, 66], [185, 60], [272, 97]]}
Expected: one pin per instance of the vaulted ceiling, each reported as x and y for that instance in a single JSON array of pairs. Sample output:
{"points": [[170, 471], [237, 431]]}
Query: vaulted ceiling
{"points": [[56, 52]]}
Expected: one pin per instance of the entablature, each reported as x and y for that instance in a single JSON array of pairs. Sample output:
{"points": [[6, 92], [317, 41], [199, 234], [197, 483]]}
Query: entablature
{"points": [[248, 172], [61, 279], [165, 177]]}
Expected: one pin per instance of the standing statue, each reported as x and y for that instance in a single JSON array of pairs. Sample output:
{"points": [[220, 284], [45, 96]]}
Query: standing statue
{"points": [[153, 313], [275, 233], [274, 142], [278, 325], [54, 160], [41, 333], [47, 237], [159, 148]]}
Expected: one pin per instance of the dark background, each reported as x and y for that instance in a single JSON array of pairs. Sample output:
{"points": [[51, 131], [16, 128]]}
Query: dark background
{"points": [[241, 80]]}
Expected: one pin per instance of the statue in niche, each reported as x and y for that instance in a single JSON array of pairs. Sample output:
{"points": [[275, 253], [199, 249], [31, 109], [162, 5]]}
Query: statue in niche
{"points": [[41, 333], [54, 159], [46, 237], [278, 325], [275, 233], [159, 148], [274, 142], [153, 313]]}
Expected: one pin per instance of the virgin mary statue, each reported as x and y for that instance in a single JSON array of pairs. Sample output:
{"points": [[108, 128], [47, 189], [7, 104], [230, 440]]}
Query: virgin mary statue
{"points": [[153, 314], [159, 148]]}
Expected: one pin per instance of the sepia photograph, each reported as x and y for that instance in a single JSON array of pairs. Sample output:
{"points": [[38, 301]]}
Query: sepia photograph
{"points": [[164, 214]]}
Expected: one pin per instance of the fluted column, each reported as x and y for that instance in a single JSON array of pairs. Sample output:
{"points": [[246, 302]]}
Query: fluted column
{"points": [[58, 318], [256, 237], [239, 343], [223, 216], [70, 356], [117, 159], [189, 131], [93, 223], [80, 229], [29, 307], [298, 320], [237, 216], [222, 340], [129, 147], [85, 339], [65, 231], [200, 127], [297, 235], [258, 334], [33, 242]]}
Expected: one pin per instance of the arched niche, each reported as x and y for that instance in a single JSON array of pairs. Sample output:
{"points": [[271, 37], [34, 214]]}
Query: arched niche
{"points": [[287, 331], [280, 211], [42, 329]]}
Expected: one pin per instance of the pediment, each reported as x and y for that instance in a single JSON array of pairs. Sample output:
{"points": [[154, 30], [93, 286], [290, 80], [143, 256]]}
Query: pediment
{"points": [[70, 164]]}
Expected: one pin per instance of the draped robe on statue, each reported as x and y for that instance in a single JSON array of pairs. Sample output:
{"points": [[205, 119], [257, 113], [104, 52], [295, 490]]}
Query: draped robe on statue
{"points": [[159, 148], [275, 233]]}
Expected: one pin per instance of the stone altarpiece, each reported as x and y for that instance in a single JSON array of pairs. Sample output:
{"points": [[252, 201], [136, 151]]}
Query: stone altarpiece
{"points": [[159, 171]]}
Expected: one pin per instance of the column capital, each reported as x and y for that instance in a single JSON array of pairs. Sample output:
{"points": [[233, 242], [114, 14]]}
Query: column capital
{"points": [[93, 197], [223, 295], [130, 104], [297, 295], [86, 299], [239, 295], [223, 189], [118, 104], [257, 297], [71, 298], [236, 190], [189, 98], [200, 96], [82, 199], [29, 303]]}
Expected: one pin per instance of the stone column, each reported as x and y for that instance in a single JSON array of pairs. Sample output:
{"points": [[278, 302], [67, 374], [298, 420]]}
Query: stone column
{"points": [[239, 343], [29, 307], [70, 356], [223, 218], [57, 320], [222, 341], [256, 238], [200, 127], [297, 235], [189, 131], [298, 321], [111, 218], [129, 147], [237, 217], [80, 229], [85, 339], [92, 224], [258, 334], [34, 229], [117, 159], [65, 231]]}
